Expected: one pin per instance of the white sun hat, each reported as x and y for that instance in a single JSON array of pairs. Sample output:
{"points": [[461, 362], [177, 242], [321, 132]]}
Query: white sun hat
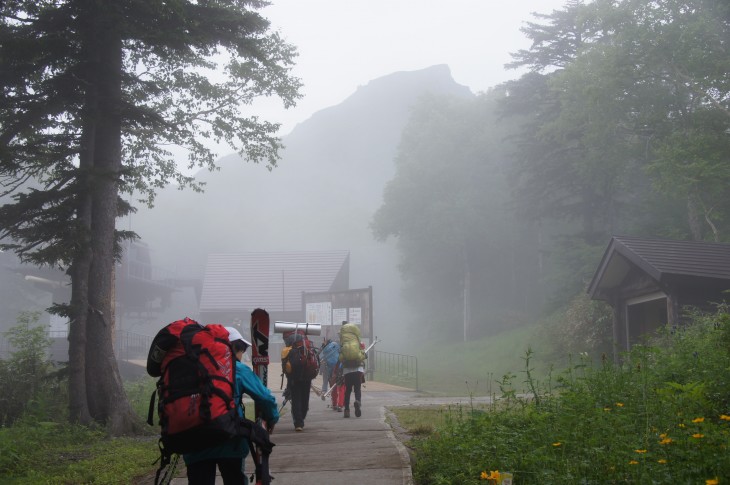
{"points": [[234, 334]]}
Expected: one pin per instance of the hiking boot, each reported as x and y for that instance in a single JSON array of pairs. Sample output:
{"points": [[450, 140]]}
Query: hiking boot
{"points": [[323, 398], [347, 413], [358, 413], [298, 429]]}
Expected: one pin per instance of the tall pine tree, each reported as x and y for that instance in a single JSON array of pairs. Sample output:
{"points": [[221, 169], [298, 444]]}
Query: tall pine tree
{"points": [[93, 93]]}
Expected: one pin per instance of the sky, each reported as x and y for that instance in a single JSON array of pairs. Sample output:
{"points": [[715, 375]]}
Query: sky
{"points": [[344, 44]]}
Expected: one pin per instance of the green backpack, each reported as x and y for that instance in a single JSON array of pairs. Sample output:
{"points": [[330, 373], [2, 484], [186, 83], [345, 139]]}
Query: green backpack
{"points": [[351, 353]]}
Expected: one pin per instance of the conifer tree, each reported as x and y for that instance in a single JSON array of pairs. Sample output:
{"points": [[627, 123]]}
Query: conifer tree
{"points": [[93, 93]]}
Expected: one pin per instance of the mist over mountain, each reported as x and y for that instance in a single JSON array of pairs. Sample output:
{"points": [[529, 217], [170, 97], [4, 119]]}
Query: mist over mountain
{"points": [[321, 196]]}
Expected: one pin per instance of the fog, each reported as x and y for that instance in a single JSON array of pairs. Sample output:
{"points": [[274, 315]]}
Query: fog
{"points": [[340, 143], [322, 196]]}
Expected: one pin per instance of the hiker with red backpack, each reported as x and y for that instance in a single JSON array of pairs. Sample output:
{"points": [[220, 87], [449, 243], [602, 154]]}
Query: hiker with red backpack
{"points": [[230, 457], [201, 384], [300, 364]]}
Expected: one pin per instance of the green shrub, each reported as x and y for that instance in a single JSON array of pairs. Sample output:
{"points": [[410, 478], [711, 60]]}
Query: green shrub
{"points": [[28, 380], [661, 416]]}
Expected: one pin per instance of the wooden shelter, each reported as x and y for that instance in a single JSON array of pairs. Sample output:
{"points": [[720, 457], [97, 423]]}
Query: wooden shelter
{"points": [[649, 281], [235, 284]]}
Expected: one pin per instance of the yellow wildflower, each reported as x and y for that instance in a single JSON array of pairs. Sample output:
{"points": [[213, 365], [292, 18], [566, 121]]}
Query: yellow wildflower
{"points": [[483, 476], [682, 425], [712, 481], [494, 475], [666, 441], [640, 451], [607, 409], [619, 404], [633, 462], [698, 435], [661, 460], [725, 417], [557, 443], [698, 420], [663, 435]]}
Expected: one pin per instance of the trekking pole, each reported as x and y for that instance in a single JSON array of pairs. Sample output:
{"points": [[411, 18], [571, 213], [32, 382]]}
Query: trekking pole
{"points": [[372, 345], [338, 382], [287, 398], [169, 474]]}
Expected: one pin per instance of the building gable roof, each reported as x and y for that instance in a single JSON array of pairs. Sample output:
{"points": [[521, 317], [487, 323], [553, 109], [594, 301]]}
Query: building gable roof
{"points": [[271, 280], [660, 259]]}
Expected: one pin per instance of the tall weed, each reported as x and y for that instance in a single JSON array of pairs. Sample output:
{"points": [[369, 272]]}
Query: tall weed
{"points": [[660, 416]]}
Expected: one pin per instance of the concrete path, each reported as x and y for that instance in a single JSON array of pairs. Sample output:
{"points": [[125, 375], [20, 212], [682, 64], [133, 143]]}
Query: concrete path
{"points": [[344, 451], [336, 450]]}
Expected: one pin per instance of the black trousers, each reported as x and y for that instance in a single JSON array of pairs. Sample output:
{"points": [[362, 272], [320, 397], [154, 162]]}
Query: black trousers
{"points": [[203, 472], [353, 380], [299, 400]]}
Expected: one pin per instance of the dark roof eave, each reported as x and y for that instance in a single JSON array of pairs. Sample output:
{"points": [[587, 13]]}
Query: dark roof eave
{"points": [[615, 246]]}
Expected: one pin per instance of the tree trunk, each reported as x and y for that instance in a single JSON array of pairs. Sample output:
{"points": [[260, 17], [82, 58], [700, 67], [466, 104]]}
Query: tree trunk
{"points": [[107, 400], [79, 270], [693, 217], [467, 296], [77, 338]]}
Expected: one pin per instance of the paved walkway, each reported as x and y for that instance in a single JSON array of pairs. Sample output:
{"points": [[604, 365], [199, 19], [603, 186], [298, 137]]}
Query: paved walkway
{"points": [[339, 451], [335, 450], [332, 449]]}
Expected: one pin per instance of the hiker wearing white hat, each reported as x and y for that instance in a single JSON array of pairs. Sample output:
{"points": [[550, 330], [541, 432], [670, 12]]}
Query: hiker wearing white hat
{"points": [[234, 335], [230, 457]]}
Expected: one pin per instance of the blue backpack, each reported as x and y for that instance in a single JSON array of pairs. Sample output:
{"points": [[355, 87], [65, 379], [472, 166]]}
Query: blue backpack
{"points": [[331, 354]]}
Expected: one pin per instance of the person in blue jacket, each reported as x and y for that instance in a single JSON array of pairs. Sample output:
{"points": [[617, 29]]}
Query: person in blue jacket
{"points": [[230, 457]]}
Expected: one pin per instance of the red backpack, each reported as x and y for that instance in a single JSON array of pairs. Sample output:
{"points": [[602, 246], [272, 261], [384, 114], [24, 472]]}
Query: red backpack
{"points": [[197, 370], [301, 360]]}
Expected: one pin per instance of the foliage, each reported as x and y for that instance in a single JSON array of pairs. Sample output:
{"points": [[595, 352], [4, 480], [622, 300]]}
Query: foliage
{"points": [[584, 326], [29, 387], [660, 416], [621, 126], [39, 446], [446, 207]]}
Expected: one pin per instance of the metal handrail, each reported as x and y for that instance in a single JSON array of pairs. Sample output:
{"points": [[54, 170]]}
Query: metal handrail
{"points": [[401, 367], [127, 345]]}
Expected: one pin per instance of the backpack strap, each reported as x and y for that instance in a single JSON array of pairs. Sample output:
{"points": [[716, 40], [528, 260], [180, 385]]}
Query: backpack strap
{"points": [[151, 411]]}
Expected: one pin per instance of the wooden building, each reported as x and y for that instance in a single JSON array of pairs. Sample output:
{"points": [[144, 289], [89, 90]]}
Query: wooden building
{"points": [[235, 284], [648, 282]]}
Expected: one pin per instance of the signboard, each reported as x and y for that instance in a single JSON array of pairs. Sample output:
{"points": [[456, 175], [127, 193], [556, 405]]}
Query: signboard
{"points": [[339, 315], [332, 307], [355, 316], [319, 312]]}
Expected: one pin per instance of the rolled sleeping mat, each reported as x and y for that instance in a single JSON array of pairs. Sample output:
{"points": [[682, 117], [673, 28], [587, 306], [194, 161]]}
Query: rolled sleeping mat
{"points": [[308, 328]]}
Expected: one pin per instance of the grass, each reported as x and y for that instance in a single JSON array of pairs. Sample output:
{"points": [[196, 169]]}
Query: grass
{"points": [[471, 368], [34, 451], [662, 416], [52, 453]]}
